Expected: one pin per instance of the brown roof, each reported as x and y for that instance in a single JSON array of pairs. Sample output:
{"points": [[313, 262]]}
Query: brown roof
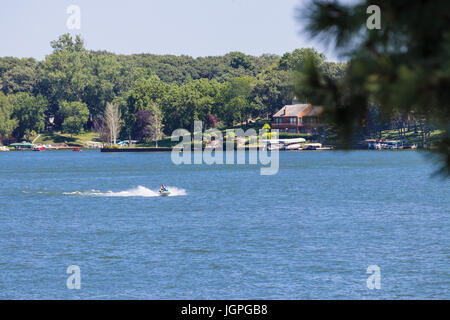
{"points": [[314, 112], [293, 110]]}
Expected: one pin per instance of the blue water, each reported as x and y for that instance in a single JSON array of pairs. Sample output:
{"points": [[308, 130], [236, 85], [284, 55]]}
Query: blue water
{"points": [[226, 232]]}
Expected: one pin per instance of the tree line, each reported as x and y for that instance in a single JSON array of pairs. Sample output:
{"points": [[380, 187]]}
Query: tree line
{"points": [[71, 89]]}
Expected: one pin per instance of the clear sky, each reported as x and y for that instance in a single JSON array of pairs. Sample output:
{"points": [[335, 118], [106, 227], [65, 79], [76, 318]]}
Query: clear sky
{"points": [[190, 27]]}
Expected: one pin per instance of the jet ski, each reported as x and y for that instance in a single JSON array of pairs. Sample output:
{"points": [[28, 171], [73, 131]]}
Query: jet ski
{"points": [[164, 192]]}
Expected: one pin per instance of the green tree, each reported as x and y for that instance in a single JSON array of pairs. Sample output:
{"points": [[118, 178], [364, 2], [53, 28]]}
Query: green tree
{"points": [[7, 124], [20, 76], [105, 82], [237, 99], [199, 99], [65, 74], [29, 112], [146, 95], [294, 60], [75, 115], [273, 90], [238, 60], [66, 43]]}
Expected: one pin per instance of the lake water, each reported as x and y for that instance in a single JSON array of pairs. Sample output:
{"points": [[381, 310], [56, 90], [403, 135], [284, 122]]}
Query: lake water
{"points": [[309, 232]]}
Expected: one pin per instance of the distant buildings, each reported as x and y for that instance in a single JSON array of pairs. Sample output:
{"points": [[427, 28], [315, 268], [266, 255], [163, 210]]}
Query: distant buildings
{"points": [[298, 118]]}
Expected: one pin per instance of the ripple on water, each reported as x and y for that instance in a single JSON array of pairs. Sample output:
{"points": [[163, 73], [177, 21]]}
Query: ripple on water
{"points": [[308, 232]]}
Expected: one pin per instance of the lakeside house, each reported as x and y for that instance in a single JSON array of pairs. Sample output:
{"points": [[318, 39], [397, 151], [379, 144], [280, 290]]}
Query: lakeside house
{"points": [[298, 118]]}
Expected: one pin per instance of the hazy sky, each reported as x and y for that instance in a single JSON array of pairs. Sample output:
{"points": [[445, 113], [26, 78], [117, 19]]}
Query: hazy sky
{"points": [[191, 27]]}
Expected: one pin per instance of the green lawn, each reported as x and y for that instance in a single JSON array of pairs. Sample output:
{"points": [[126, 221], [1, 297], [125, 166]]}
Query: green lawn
{"points": [[57, 137], [411, 137]]}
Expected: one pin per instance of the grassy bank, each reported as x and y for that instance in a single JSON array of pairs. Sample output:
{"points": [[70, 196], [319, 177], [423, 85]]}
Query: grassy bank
{"points": [[54, 138], [412, 137]]}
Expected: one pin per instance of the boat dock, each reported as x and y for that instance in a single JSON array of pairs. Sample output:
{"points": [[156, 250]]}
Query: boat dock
{"points": [[143, 149]]}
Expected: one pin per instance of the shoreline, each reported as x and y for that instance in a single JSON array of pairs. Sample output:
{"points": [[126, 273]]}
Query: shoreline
{"points": [[169, 149]]}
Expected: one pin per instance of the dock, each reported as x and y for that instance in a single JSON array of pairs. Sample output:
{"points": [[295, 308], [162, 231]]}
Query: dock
{"points": [[143, 149]]}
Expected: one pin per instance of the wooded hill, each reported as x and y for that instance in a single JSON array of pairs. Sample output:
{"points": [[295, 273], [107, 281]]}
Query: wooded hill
{"points": [[69, 90]]}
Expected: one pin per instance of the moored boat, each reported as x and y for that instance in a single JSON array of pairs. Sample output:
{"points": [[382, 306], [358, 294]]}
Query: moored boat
{"points": [[22, 146], [312, 146], [39, 148]]}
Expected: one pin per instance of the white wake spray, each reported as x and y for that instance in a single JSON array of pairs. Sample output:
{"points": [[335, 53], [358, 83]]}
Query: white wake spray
{"points": [[139, 191]]}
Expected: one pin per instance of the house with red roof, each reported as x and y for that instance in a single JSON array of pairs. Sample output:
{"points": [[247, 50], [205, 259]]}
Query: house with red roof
{"points": [[298, 118]]}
